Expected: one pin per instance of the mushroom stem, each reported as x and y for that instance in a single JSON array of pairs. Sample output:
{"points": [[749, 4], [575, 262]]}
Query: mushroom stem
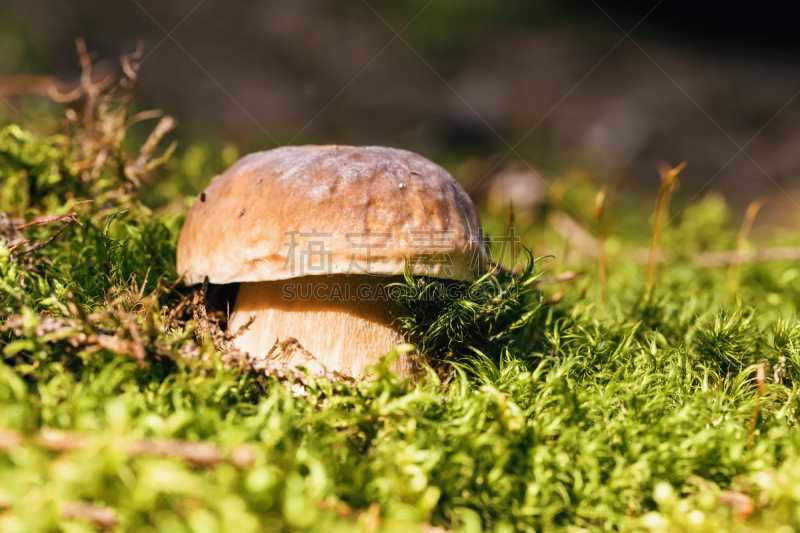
{"points": [[345, 321]]}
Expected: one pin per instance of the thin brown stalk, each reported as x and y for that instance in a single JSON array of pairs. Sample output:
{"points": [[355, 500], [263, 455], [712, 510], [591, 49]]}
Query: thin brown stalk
{"points": [[668, 176], [744, 231], [510, 229], [556, 193], [599, 208], [761, 390]]}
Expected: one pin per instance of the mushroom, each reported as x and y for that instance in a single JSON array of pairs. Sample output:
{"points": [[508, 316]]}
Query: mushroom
{"points": [[314, 234]]}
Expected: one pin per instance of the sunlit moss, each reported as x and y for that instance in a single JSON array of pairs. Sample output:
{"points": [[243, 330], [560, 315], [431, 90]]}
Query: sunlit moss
{"points": [[564, 414]]}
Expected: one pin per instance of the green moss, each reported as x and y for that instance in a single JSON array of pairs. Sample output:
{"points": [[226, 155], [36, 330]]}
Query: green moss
{"points": [[541, 415]]}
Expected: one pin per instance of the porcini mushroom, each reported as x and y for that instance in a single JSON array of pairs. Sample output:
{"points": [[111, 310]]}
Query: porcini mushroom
{"points": [[314, 234]]}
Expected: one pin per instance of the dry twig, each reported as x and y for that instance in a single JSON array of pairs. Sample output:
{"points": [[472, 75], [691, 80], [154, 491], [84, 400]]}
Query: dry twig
{"points": [[99, 517], [559, 278], [198, 454], [66, 219], [720, 259]]}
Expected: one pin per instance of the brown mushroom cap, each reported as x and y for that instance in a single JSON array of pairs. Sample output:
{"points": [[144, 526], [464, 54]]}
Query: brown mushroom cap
{"points": [[372, 208]]}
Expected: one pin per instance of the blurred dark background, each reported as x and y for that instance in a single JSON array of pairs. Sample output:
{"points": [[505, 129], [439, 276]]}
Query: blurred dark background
{"points": [[488, 88]]}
